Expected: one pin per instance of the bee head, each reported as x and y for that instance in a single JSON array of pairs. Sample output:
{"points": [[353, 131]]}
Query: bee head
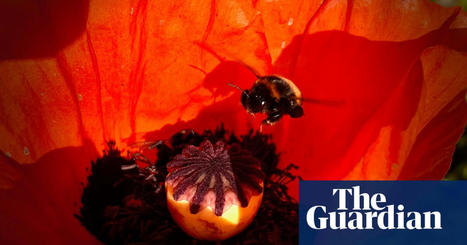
{"points": [[253, 103]]}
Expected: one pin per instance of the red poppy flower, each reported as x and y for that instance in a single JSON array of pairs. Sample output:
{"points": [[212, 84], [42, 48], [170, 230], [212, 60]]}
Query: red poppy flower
{"points": [[77, 74]]}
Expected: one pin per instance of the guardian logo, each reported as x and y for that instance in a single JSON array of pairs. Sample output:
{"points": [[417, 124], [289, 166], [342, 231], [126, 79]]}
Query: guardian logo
{"points": [[382, 212], [369, 212]]}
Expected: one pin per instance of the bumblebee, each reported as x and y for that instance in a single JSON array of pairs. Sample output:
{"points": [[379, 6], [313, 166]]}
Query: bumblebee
{"points": [[273, 95]]}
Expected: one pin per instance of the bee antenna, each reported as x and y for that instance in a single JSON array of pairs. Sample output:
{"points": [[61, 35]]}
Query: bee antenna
{"points": [[253, 71], [250, 69], [235, 86]]}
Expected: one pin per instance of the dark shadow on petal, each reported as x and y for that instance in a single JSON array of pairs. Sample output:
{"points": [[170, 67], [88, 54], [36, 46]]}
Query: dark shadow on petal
{"points": [[43, 201], [227, 72], [33, 29], [456, 39], [229, 112]]}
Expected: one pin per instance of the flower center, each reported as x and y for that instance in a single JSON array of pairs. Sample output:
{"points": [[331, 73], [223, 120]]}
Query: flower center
{"points": [[214, 176], [124, 202]]}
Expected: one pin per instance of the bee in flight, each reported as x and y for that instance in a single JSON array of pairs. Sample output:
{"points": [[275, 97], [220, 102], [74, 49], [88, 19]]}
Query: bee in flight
{"points": [[275, 96]]}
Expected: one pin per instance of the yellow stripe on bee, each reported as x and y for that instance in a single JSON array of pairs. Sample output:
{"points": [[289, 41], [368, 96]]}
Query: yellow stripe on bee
{"points": [[294, 88], [271, 88], [276, 94]]}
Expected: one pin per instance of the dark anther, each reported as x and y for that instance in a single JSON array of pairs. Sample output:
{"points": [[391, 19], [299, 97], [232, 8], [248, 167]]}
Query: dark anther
{"points": [[129, 206]]}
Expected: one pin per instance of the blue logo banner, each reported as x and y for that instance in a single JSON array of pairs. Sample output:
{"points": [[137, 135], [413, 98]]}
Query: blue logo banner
{"points": [[383, 212]]}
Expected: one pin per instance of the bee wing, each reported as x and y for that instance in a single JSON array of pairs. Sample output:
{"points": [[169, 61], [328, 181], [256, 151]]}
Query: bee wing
{"points": [[251, 69], [322, 102], [145, 144], [255, 72]]}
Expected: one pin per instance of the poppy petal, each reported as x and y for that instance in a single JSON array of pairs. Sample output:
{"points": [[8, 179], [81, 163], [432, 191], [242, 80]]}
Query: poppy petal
{"points": [[40, 207], [384, 84], [146, 69]]}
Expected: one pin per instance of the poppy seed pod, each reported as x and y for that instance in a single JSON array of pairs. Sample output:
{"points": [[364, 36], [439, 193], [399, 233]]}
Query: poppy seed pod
{"points": [[74, 77], [214, 192]]}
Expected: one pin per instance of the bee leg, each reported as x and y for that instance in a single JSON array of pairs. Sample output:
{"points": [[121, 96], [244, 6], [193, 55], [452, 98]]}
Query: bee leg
{"points": [[273, 117], [156, 144], [297, 111], [140, 157]]}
